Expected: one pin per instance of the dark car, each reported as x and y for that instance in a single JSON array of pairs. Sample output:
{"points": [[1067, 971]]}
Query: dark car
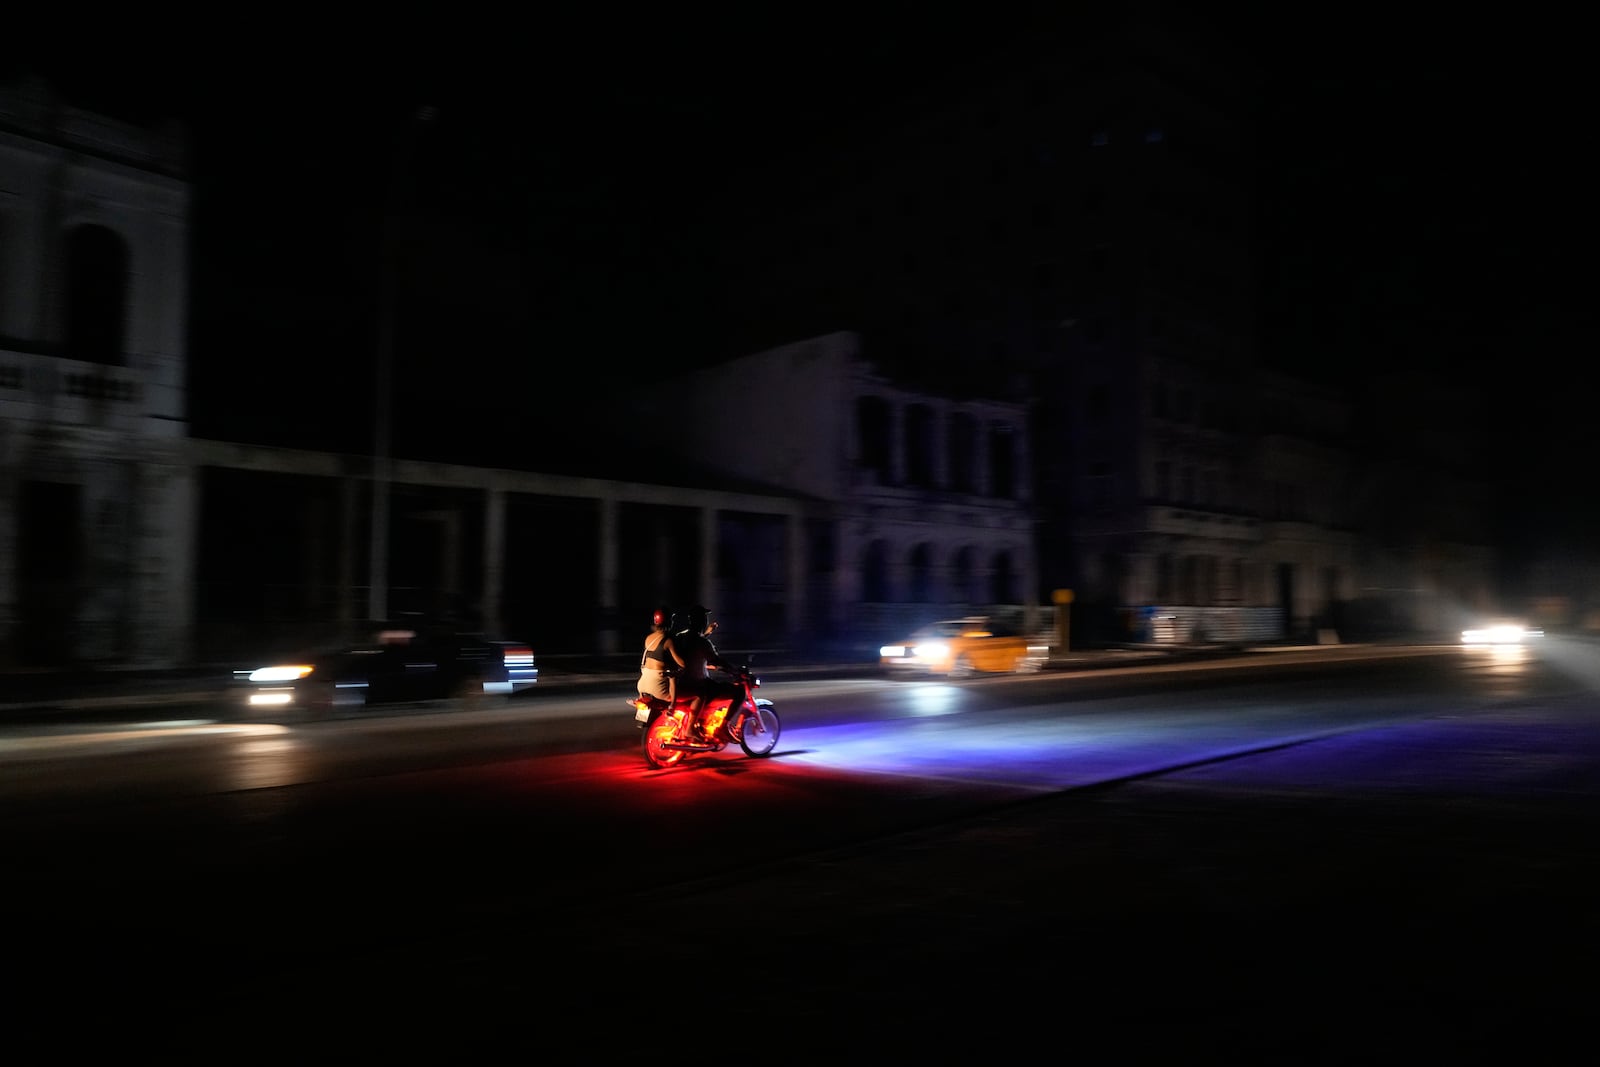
{"points": [[401, 666]]}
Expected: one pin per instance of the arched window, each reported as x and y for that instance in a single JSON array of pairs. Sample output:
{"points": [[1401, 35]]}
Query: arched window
{"points": [[1206, 584], [1002, 463], [963, 453], [919, 446], [921, 575], [97, 290], [1114, 581], [1002, 583], [875, 574], [961, 576], [1189, 580], [6, 246], [872, 436]]}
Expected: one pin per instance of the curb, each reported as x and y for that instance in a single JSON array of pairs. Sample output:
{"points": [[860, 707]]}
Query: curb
{"points": [[124, 689]]}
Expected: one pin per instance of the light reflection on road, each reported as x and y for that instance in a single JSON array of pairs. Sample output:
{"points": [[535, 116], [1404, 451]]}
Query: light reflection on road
{"points": [[987, 730], [933, 699], [267, 762], [114, 739], [1576, 659]]}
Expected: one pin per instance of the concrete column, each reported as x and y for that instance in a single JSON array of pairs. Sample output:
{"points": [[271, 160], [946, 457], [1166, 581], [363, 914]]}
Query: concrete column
{"points": [[172, 327], [111, 531], [1028, 575], [349, 501], [1022, 462], [314, 588], [794, 614], [897, 443], [180, 520], [846, 579], [708, 558], [8, 553], [494, 559], [661, 545], [981, 480], [142, 608], [142, 615], [155, 579], [451, 553], [609, 576]]}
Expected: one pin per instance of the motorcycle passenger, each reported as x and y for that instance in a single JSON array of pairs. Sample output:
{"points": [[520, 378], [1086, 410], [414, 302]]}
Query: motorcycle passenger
{"points": [[661, 662], [694, 643]]}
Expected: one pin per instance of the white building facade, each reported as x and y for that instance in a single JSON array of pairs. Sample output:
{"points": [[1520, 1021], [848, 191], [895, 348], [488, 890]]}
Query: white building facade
{"points": [[95, 491], [919, 505], [852, 506]]}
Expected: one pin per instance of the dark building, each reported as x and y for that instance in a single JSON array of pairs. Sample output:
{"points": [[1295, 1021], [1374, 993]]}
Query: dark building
{"points": [[1078, 230]]}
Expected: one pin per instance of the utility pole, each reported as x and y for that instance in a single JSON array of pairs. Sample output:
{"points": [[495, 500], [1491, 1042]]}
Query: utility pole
{"points": [[382, 459]]}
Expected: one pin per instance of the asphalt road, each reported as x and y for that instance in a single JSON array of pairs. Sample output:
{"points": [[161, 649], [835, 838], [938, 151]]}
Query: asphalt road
{"points": [[1424, 892], [1418, 891]]}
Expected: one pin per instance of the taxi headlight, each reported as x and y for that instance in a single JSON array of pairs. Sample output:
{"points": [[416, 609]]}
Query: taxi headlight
{"points": [[932, 650], [1503, 634]]}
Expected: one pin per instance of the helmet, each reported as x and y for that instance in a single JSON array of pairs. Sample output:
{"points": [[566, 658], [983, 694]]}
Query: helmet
{"points": [[662, 616], [698, 617]]}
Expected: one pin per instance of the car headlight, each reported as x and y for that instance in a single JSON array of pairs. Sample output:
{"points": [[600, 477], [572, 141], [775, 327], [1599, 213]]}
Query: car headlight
{"points": [[1494, 635], [892, 651], [932, 650], [280, 674]]}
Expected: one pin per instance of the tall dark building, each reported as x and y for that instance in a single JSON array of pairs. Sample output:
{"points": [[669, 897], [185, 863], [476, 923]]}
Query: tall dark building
{"points": [[1077, 229]]}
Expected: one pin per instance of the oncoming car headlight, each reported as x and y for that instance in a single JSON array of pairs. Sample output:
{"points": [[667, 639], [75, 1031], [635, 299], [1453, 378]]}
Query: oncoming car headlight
{"points": [[932, 650], [280, 674], [1503, 634]]}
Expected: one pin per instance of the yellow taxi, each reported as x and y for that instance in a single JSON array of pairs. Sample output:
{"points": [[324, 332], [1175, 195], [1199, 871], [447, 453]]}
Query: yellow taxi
{"points": [[959, 648]]}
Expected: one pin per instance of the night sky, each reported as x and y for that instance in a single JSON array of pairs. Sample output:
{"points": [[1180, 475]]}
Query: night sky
{"points": [[571, 171], [1419, 208]]}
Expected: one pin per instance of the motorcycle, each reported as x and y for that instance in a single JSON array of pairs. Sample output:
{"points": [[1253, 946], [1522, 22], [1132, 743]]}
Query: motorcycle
{"points": [[753, 725]]}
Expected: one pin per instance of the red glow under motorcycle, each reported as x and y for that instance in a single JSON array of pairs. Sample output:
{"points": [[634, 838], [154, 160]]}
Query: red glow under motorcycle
{"points": [[753, 725]]}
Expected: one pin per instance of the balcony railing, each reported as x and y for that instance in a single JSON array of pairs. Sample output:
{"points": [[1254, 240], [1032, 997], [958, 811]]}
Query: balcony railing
{"points": [[71, 391]]}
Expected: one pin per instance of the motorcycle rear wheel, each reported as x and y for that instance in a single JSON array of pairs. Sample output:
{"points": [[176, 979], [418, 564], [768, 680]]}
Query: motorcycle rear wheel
{"points": [[759, 743], [657, 729]]}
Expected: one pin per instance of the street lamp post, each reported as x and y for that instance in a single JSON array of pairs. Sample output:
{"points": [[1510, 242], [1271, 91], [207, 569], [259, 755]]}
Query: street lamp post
{"points": [[378, 557], [382, 459]]}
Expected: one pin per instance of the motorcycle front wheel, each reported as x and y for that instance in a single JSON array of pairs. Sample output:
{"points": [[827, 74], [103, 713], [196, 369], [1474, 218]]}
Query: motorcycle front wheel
{"points": [[759, 739], [659, 728]]}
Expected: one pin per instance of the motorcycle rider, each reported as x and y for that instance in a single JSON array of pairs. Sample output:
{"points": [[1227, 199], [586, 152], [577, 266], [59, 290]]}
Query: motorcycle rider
{"points": [[699, 654], [661, 662]]}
